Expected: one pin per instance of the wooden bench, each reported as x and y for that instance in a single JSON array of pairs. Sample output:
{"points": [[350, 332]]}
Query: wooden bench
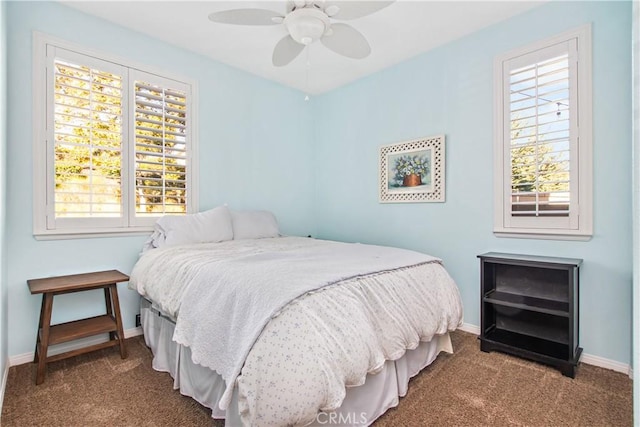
{"points": [[110, 323]]}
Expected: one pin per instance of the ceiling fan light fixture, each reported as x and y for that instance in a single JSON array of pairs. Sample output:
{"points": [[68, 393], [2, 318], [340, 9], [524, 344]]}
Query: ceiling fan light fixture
{"points": [[307, 21], [306, 25]]}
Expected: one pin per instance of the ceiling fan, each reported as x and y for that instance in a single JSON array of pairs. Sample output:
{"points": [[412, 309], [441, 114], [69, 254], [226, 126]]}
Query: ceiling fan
{"points": [[307, 21]]}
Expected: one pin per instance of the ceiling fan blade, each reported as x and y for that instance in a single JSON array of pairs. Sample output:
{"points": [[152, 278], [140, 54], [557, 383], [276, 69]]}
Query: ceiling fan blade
{"points": [[246, 17], [354, 9], [347, 41], [286, 51]]}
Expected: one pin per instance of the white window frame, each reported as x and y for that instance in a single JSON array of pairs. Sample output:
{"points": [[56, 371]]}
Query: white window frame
{"points": [[45, 226], [579, 224]]}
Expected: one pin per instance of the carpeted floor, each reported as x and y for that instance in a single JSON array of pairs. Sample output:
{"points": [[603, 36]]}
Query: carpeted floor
{"points": [[468, 388]]}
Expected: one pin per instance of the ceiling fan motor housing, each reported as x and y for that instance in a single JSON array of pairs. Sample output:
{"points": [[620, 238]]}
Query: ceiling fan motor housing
{"points": [[306, 25]]}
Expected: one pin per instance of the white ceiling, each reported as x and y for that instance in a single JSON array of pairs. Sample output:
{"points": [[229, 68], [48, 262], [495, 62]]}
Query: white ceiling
{"points": [[395, 33]]}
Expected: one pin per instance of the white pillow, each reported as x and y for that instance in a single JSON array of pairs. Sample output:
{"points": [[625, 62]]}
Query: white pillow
{"points": [[209, 226], [254, 225]]}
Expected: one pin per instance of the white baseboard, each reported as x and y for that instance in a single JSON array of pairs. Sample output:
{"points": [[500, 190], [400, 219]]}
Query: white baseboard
{"points": [[472, 329], [4, 383], [133, 332], [21, 359], [589, 359]]}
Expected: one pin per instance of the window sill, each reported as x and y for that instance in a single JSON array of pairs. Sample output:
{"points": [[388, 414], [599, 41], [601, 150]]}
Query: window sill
{"points": [[91, 233], [542, 235]]}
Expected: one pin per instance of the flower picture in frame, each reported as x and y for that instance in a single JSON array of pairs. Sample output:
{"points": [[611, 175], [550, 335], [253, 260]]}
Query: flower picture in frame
{"points": [[412, 171]]}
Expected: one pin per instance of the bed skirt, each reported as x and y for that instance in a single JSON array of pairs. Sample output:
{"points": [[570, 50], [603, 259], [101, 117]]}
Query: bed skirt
{"points": [[361, 406]]}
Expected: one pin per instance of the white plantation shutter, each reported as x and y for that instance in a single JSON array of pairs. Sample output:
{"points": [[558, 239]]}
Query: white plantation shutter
{"points": [[540, 135], [113, 145], [544, 180], [87, 130], [161, 147]]}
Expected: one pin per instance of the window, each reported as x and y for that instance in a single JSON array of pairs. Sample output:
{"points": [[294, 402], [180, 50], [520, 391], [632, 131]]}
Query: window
{"points": [[114, 149], [543, 164]]}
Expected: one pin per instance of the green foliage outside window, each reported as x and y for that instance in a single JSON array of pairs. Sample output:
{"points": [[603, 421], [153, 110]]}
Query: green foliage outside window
{"points": [[88, 129]]}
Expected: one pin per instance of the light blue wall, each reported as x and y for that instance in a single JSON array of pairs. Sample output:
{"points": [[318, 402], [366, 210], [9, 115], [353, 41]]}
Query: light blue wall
{"points": [[260, 147], [449, 91], [636, 212], [3, 145], [254, 153]]}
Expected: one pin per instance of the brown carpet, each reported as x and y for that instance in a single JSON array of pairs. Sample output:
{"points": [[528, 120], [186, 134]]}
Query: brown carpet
{"points": [[468, 388]]}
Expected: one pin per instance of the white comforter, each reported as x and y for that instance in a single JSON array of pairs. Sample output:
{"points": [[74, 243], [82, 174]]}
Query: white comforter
{"points": [[262, 313]]}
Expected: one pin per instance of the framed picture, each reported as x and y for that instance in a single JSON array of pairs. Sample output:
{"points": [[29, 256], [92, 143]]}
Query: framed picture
{"points": [[412, 171]]}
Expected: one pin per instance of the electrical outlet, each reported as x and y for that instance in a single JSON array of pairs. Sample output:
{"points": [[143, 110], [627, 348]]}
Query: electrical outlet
{"points": [[138, 320]]}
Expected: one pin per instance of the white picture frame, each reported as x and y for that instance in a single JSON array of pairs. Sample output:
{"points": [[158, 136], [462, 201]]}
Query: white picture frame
{"points": [[412, 171]]}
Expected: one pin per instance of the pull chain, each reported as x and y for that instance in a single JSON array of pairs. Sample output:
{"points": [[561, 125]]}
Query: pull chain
{"points": [[307, 66]]}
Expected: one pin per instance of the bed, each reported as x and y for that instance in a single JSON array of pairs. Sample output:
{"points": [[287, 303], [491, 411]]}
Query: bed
{"points": [[272, 330]]}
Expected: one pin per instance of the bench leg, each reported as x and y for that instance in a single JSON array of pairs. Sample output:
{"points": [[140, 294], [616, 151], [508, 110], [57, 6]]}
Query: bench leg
{"points": [[107, 301], [45, 321], [35, 357], [116, 308]]}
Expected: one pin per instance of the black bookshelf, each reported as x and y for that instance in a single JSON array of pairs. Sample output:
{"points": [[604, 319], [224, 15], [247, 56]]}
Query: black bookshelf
{"points": [[530, 308]]}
